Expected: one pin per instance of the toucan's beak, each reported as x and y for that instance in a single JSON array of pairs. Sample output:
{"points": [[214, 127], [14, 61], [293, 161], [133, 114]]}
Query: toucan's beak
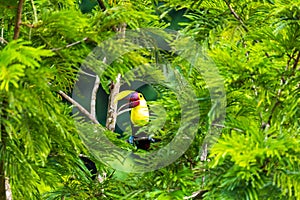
{"points": [[134, 100], [134, 96]]}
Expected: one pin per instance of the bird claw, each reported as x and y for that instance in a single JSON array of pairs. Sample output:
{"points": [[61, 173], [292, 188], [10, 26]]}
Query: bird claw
{"points": [[131, 139], [151, 139]]}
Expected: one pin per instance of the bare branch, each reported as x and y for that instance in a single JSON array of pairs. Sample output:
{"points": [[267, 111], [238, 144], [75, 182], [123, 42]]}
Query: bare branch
{"points": [[284, 81], [94, 95], [296, 61], [34, 11], [121, 29], [102, 5], [8, 189], [70, 45], [28, 25], [18, 20], [272, 112], [112, 106], [196, 194], [88, 74], [289, 60], [2, 33], [3, 40], [236, 15], [80, 108], [114, 90], [6, 186], [222, 126]]}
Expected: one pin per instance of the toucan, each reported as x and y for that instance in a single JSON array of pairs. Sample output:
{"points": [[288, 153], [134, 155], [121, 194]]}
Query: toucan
{"points": [[139, 117]]}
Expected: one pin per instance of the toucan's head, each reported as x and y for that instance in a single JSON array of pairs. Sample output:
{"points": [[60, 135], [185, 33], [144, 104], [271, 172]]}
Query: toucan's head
{"points": [[134, 99]]}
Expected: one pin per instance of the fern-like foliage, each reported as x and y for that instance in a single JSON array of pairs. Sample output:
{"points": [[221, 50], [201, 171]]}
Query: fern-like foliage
{"points": [[33, 122]]}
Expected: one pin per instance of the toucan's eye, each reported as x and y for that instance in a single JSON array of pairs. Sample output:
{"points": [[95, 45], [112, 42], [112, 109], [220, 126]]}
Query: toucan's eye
{"points": [[141, 95]]}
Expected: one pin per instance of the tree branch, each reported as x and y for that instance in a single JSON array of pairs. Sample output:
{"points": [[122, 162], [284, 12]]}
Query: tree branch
{"points": [[296, 61], [5, 185], [28, 25], [121, 29], [2, 33], [289, 60], [196, 194], [283, 82], [102, 5], [236, 15], [94, 95], [18, 20], [70, 45], [80, 108], [5, 188], [272, 112], [114, 90], [222, 126], [112, 106], [34, 11], [3, 40], [8, 189], [88, 74]]}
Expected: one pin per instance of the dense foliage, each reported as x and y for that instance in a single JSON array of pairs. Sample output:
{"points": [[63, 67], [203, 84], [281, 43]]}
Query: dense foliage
{"points": [[256, 48]]}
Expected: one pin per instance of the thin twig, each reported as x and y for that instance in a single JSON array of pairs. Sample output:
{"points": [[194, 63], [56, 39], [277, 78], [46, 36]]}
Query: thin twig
{"points": [[196, 194], [8, 189], [80, 108], [94, 95], [2, 33], [102, 5], [222, 126], [121, 29], [3, 40], [34, 11], [18, 20], [236, 15], [284, 81], [70, 45], [289, 60], [296, 61], [272, 112], [88, 74], [30, 25]]}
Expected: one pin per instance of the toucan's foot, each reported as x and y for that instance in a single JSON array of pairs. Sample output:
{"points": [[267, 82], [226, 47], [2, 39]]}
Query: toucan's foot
{"points": [[131, 139], [142, 142], [151, 139]]}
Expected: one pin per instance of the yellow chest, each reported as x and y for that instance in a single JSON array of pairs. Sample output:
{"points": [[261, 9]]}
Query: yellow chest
{"points": [[140, 114]]}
